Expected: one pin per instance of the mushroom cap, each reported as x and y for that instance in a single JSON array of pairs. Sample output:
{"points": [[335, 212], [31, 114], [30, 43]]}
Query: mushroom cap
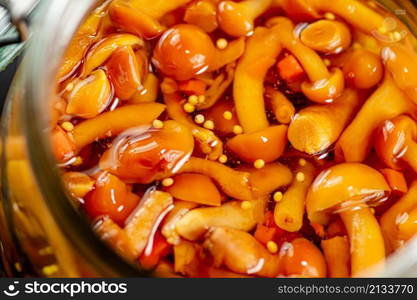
{"points": [[144, 154], [312, 132], [344, 186], [392, 140], [268, 144], [363, 69], [327, 36], [184, 51], [326, 89], [235, 19]]}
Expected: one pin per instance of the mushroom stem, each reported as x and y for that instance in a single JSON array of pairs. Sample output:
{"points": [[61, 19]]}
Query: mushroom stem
{"points": [[410, 156], [241, 253], [395, 143], [233, 183], [289, 212], [193, 225], [208, 142], [282, 108], [385, 103], [269, 179], [354, 12], [337, 253], [316, 128], [398, 58], [323, 86], [256, 7], [134, 20], [366, 241], [233, 52], [408, 228], [237, 19], [116, 237], [168, 226], [115, 122], [312, 63], [158, 8], [261, 52], [391, 218]]}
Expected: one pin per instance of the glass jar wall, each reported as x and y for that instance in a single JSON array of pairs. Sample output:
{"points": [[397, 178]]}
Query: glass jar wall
{"points": [[41, 232]]}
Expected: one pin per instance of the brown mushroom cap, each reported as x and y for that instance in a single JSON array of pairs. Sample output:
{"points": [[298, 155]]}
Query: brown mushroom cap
{"points": [[341, 187], [393, 140]]}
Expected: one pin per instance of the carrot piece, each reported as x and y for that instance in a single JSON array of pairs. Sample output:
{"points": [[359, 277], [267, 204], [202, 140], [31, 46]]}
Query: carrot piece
{"points": [[318, 229], [336, 228], [264, 234], [281, 236], [269, 219], [62, 146], [396, 180], [290, 69], [193, 87], [195, 188], [160, 249]]}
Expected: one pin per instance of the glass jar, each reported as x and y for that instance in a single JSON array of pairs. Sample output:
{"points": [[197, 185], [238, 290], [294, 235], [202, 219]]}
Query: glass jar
{"points": [[41, 232]]}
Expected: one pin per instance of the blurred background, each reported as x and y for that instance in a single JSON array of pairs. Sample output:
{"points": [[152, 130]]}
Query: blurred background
{"points": [[9, 36], [6, 77]]}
